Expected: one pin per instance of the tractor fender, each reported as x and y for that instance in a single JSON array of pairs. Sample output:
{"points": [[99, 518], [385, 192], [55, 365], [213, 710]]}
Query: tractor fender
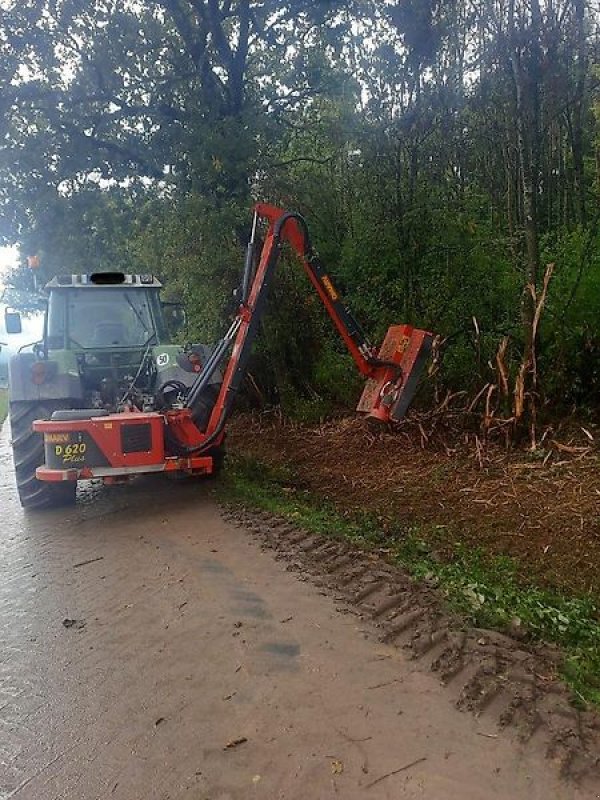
{"points": [[53, 379], [172, 364]]}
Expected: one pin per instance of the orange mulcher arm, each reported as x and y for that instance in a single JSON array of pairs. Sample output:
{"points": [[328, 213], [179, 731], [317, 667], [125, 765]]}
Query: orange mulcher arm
{"points": [[392, 371]]}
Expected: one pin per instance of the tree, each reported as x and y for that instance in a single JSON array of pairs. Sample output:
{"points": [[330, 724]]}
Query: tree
{"points": [[443, 152]]}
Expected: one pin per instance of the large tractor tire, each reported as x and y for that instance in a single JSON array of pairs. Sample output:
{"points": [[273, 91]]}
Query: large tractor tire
{"points": [[203, 407], [28, 454], [201, 415], [218, 456]]}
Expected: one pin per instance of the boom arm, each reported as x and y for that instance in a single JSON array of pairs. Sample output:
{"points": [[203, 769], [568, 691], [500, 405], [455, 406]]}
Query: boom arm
{"points": [[391, 372], [295, 232]]}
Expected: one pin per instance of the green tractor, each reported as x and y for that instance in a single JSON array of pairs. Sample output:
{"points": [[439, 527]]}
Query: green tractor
{"points": [[108, 345]]}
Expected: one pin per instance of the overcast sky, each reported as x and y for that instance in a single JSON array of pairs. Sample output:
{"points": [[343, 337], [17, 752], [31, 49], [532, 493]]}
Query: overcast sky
{"points": [[8, 258]]}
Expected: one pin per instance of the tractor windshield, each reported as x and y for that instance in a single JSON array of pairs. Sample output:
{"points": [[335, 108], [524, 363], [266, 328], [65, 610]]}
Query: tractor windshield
{"points": [[98, 318]]}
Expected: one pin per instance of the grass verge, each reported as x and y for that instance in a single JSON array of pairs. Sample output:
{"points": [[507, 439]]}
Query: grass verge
{"points": [[485, 589], [3, 405]]}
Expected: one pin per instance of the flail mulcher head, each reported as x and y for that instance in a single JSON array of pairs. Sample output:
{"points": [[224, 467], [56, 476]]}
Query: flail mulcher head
{"points": [[391, 388]]}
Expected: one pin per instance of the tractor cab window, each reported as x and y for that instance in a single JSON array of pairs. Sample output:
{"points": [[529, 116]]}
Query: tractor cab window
{"points": [[101, 318], [56, 321]]}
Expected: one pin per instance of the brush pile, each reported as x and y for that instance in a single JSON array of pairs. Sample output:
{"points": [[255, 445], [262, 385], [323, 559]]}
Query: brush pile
{"points": [[541, 506]]}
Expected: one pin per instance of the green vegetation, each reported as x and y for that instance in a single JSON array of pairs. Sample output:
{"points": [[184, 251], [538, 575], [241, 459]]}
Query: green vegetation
{"points": [[3, 405], [443, 153], [486, 590]]}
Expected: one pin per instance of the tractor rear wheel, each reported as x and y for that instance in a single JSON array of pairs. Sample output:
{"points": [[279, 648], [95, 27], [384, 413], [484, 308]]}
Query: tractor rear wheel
{"points": [[218, 456], [28, 454], [204, 405]]}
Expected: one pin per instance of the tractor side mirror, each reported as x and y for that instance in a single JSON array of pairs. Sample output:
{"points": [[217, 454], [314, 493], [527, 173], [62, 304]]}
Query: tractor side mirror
{"points": [[12, 322], [175, 316]]}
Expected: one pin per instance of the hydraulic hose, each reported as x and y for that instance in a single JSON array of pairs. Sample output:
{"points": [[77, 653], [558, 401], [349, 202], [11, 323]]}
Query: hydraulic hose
{"points": [[212, 364]]}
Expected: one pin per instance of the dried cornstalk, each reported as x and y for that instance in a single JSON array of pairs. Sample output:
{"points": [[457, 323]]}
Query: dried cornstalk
{"points": [[436, 355], [519, 390], [539, 307], [479, 452], [529, 363], [447, 400], [478, 397], [424, 437], [489, 414], [255, 387], [501, 367], [573, 450], [435, 360]]}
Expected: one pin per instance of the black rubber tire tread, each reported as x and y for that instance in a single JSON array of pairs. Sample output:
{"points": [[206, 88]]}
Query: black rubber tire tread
{"points": [[28, 454], [201, 415], [204, 406], [218, 456]]}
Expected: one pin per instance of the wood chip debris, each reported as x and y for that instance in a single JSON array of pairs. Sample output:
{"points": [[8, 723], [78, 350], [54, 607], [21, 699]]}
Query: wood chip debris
{"points": [[395, 772], [235, 742], [73, 623], [89, 561]]}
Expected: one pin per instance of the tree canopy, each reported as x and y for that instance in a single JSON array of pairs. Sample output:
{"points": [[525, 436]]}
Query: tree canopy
{"points": [[444, 153]]}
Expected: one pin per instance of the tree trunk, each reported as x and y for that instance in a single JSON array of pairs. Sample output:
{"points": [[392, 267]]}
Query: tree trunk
{"points": [[578, 112], [526, 85]]}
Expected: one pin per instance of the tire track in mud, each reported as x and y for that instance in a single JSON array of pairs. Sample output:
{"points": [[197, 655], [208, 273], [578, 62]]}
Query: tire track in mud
{"points": [[512, 683]]}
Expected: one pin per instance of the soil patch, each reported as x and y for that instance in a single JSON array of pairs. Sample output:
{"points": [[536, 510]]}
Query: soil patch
{"points": [[546, 514], [514, 684]]}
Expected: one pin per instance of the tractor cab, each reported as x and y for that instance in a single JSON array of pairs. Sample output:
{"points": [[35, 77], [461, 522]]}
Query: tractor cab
{"points": [[104, 311], [112, 330]]}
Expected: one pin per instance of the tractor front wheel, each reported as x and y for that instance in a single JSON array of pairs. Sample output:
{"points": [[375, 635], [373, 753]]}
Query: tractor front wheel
{"points": [[28, 454]]}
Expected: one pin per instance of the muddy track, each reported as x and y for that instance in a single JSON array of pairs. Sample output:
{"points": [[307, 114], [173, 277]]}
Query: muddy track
{"points": [[488, 673]]}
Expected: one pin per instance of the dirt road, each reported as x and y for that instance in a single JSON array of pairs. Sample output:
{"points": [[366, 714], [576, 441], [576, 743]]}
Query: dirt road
{"points": [[152, 651]]}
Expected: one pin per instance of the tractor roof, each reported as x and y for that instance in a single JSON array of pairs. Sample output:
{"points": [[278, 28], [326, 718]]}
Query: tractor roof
{"points": [[116, 280]]}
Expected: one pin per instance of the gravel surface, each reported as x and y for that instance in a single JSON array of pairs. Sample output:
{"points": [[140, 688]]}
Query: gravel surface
{"points": [[153, 650]]}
